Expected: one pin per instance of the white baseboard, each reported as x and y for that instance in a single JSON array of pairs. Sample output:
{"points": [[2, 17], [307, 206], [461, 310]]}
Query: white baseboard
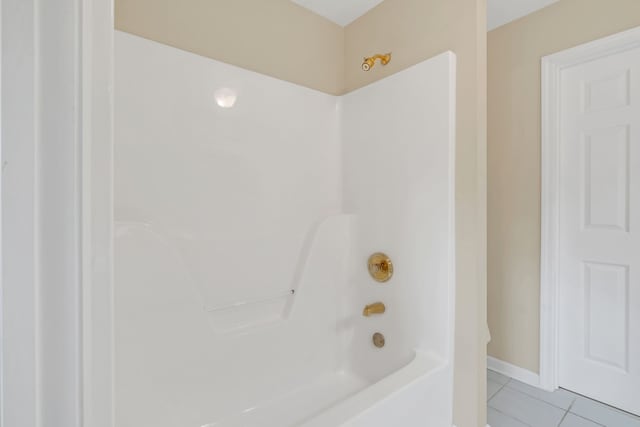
{"points": [[487, 425], [513, 371]]}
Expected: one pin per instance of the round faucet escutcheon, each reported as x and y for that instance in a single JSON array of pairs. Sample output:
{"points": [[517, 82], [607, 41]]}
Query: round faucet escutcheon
{"points": [[380, 267]]}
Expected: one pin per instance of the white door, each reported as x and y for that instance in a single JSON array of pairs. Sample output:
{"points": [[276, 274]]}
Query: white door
{"points": [[599, 250]]}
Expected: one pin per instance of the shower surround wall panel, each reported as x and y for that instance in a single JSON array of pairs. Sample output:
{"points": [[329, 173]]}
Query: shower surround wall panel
{"points": [[398, 177], [242, 237], [217, 206], [398, 182]]}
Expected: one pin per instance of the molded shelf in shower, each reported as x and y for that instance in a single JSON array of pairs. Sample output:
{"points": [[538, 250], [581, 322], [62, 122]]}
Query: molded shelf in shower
{"points": [[250, 301], [314, 284], [249, 313]]}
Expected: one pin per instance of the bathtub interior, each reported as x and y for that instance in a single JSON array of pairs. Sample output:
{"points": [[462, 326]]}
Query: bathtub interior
{"points": [[242, 236]]}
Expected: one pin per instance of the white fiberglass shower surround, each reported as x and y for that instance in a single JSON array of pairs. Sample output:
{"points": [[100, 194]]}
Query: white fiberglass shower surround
{"points": [[246, 208]]}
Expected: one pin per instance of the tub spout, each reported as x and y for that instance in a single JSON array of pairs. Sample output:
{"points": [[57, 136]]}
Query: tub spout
{"points": [[375, 308]]}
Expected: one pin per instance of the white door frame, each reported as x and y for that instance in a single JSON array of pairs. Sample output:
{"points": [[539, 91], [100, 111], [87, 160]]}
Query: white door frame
{"points": [[97, 83], [56, 213], [552, 67]]}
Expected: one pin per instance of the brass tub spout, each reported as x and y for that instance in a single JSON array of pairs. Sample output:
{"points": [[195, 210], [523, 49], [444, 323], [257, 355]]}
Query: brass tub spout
{"points": [[375, 308]]}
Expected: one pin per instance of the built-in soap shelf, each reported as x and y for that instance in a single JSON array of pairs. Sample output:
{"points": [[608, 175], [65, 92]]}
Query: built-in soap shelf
{"points": [[249, 313], [251, 301], [322, 263]]}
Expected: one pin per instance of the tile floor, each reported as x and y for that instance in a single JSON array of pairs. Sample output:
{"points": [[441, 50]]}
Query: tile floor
{"points": [[515, 404]]}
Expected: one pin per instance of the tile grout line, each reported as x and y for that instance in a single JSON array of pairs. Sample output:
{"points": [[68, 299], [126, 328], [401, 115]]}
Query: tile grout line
{"points": [[609, 407], [578, 415], [531, 397], [505, 385], [567, 412], [510, 417], [499, 411], [541, 400], [498, 391]]}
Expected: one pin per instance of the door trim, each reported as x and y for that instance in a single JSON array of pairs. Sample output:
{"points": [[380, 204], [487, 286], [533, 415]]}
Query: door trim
{"points": [[72, 167], [96, 181], [552, 67]]}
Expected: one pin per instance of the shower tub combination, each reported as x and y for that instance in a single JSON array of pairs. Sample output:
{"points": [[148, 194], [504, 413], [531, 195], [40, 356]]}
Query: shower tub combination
{"points": [[246, 211]]}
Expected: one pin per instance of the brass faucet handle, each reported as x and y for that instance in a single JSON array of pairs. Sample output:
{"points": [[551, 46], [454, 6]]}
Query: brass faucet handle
{"points": [[375, 308], [380, 267]]}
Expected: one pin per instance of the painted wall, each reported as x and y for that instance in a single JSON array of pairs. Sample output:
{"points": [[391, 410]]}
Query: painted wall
{"points": [[414, 30], [514, 53], [276, 37]]}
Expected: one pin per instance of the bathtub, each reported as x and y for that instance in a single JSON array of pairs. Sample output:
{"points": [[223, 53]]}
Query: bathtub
{"points": [[415, 395], [242, 238]]}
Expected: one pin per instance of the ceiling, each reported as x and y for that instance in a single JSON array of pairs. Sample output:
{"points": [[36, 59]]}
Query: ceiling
{"points": [[500, 12], [343, 12]]}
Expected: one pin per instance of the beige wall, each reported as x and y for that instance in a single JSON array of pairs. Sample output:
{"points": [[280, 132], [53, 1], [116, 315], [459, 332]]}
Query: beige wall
{"points": [[280, 39], [414, 30], [514, 160], [273, 37]]}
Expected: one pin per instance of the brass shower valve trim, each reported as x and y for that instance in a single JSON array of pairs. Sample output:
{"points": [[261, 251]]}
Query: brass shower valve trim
{"points": [[380, 267]]}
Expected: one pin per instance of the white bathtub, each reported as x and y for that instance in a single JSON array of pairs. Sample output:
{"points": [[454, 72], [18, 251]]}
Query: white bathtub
{"points": [[415, 395], [242, 240]]}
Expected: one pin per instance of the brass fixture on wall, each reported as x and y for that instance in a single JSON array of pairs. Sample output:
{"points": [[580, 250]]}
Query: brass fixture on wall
{"points": [[370, 61], [380, 267], [378, 340], [375, 308]]}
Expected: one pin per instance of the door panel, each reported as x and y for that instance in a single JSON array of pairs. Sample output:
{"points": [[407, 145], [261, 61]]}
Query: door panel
{"points": [[606, 180], [606, 300], [599, 230]]}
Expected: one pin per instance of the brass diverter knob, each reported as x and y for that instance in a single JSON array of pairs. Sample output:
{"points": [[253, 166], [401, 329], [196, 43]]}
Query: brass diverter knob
{"points": [[380, 267], [375, 308]]}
